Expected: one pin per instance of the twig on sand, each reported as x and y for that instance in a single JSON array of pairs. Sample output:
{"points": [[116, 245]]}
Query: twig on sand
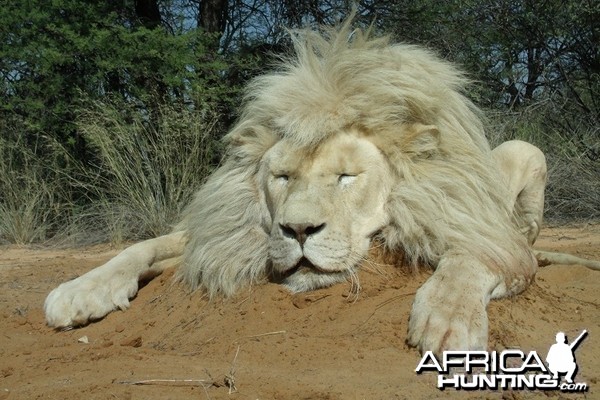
{"points": [[228, 380], [170, 382], [205, 384], [260, 335], [230, 377]]}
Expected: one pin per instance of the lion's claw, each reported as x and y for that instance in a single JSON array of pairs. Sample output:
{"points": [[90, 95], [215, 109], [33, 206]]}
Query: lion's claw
{"points": [[448, 317]]}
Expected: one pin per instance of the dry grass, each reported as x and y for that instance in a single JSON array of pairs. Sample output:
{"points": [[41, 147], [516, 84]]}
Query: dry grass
{"points": [[144, 172], [139, 177], [31, 194]]}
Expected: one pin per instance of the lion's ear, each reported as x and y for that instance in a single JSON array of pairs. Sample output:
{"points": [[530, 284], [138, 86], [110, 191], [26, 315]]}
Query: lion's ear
{"points": [[250, 144], [421, 141]]}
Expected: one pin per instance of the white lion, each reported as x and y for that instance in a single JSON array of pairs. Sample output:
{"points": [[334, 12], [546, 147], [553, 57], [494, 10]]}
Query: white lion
{"points": [[352, 140]]}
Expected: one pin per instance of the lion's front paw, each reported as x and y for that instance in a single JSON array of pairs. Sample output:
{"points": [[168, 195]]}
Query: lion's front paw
{"points": [[89, 297], [448, 316]]}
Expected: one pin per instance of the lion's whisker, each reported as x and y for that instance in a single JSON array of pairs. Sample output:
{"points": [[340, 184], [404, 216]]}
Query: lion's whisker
{"points": [[355, 287]]}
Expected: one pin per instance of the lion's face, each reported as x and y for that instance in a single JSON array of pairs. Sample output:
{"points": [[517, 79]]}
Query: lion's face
{"points": [[326, 204]]}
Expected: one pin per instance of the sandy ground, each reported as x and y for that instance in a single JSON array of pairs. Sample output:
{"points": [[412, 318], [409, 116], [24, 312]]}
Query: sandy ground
{"points": [[268, 344]]}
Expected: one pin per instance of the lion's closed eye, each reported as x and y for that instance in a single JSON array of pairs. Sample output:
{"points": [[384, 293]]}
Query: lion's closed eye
{"points": [[281, 179], [346, 179]]}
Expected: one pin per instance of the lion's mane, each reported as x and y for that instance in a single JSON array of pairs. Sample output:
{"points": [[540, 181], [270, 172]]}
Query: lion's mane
{"points": [[449, 196]]}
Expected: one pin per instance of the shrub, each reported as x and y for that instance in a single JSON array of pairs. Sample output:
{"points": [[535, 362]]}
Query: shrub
{"points": [[32, 195], [145, 168]]}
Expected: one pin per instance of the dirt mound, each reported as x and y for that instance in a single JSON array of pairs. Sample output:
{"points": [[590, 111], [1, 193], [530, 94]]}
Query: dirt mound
{"points": [[264, 343]]}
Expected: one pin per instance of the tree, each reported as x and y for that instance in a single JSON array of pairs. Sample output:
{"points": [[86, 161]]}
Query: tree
{"points": [[53, 55]]}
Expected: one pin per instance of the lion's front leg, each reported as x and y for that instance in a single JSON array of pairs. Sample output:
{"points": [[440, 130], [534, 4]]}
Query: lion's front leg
{"points": [[110, 286], [449, 311]]}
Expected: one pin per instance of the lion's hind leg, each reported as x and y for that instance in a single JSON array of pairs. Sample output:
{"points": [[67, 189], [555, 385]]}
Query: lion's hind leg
{"points": [[523, 167], [110, 286]]}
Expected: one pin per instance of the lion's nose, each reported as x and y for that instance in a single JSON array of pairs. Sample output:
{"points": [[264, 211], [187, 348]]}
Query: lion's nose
{"points": [[300, 232]]}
